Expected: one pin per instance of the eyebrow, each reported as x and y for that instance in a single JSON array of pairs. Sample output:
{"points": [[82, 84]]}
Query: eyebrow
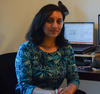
{"points": [[53, 18]]}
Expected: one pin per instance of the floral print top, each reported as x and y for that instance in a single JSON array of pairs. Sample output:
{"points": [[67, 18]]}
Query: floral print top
{"points": [[35, 68]]}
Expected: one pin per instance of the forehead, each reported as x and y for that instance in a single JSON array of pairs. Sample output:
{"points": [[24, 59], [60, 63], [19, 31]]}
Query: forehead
{"points": [[56, 14]]}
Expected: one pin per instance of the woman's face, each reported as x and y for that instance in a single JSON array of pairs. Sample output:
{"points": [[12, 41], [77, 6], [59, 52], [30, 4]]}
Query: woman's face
{"points": [[53, 25]]}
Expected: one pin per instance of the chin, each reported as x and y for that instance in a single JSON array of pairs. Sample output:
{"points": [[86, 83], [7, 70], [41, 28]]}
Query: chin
{"points": [[54, 36]]}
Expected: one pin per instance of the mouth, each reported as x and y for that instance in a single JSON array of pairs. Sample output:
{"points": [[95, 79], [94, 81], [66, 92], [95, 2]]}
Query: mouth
{"points": [[54, 31]]}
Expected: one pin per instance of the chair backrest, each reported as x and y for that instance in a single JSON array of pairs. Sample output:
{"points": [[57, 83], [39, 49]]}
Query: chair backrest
{"points": [[8, 78]]}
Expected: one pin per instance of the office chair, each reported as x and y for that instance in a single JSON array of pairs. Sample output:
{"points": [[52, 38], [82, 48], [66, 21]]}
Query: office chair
{"points": [[80, 92], [8, 78]]}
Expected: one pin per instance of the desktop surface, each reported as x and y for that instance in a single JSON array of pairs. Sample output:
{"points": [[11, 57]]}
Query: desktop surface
{"points": [[87, 72], [89, 75]]}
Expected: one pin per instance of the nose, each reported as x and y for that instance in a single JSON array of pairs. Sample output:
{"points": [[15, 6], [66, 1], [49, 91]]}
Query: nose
{"points": [[54, 24]]}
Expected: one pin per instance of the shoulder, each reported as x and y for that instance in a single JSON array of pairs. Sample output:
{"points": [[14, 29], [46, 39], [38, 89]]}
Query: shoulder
{"points": [[25, 48], [26, 45], [67, 49]]}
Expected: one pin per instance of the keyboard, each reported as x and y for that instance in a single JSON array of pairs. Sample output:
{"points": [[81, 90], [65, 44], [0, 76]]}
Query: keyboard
{"points": [[83, 48]]}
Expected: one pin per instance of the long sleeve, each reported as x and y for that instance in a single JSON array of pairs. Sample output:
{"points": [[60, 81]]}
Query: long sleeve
{"points": [[24, 70], [72, 71]]}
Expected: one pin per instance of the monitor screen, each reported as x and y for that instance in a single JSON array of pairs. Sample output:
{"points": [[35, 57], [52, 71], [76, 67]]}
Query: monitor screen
{"points": [[79, 32], [99, 29]]}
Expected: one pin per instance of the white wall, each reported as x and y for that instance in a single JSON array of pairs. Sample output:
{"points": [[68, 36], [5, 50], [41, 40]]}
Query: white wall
{"points": [[16, 17]]}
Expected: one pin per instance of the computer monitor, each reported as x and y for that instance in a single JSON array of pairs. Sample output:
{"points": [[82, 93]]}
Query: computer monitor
{"points": [[79, 32], [98, 30], [98, 36]]}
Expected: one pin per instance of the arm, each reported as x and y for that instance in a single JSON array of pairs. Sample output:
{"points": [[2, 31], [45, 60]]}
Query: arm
{"points": [[23, 68], [70, 89], [72, 74]]}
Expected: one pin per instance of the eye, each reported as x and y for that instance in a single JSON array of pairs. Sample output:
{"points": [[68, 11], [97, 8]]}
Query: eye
{"points": [[59, 21], [50, 20]]}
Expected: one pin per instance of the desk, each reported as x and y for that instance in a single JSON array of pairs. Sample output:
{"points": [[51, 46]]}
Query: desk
{"points": [[89, 75], [90, 80]]}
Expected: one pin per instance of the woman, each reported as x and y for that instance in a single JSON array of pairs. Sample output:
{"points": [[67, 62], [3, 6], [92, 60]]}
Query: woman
{"points": [[46, 58]]}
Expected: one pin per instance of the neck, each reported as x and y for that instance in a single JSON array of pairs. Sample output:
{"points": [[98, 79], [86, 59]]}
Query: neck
{"points": [[48, 43]]}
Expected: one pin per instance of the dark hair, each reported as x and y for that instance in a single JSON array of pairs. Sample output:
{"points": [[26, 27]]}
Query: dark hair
{"points": [[36, 34]]}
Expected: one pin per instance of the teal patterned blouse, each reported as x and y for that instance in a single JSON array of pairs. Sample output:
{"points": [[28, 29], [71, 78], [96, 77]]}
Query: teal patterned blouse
{"points": [[35, 68]]}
